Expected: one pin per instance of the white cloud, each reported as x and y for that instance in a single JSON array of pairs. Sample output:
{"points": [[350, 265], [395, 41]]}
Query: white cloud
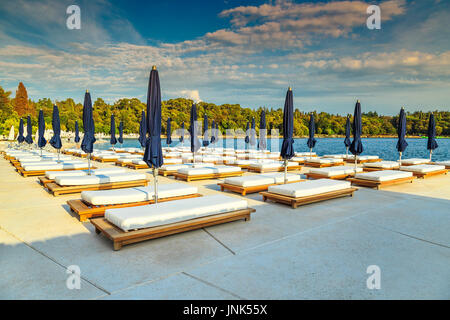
{"points": [[191, 94]]}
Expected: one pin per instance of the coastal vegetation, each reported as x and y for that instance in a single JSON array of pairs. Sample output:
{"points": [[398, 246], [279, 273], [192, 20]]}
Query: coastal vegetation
{"points": [[228, 116]]}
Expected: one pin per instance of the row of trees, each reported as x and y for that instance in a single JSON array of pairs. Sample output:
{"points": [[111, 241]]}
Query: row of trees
{"points": [[228, 116]]}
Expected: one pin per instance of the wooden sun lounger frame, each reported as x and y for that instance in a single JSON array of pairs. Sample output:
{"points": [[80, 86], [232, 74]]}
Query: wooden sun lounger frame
{"points": [[295, 202], [188, 178], [279, 169], [323, 165], [36, 173], [86, 210], [372, 169], [379, 184], [99, 159], [429, 174], [121, 238], [137, 166], [245, 190], [362, 161], [311, 175], [56, 190]]}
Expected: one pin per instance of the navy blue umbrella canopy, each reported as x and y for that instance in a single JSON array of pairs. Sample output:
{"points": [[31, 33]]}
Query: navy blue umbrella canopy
{"points": [[169, 131], [87, 144], [205, 131], [287, 148], [182, 133], [77, 132], [20, 137], [431, 132], [348, 129], [112, 131], [193, 130], [401, 131], [153, 151], [55, 141], [262, 145], [29, 138], [213, 132], [120, 132], [356, 147], [143, 129], [41, 129], [312, 129], [252, 138]]}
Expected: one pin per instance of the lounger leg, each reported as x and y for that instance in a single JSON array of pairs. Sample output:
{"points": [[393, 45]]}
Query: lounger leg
{"points": [[97, 231], [83, 218], [264, 198], [294, 205], [244, 193], [117, 246]]}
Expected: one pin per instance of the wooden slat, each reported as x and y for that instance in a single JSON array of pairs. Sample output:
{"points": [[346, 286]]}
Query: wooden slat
{"points": [[379, 184], [120, 237], [323, 165], [279, 169], [311, 175]]}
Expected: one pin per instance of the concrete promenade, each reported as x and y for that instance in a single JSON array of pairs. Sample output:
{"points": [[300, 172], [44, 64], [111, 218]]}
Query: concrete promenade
{"points": [[318, 251]]}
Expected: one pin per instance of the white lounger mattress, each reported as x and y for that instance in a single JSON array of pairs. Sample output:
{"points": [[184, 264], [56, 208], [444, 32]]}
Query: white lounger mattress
{"points": [[382, 165], [56, 166], [272, 165], [261, 179], [383, 175], [130, 195], [73, 173], [99, 179], [335, 171], [422, 168], [309, 188], [172, 211], [413, 161], [323, 160], [208, 170]]}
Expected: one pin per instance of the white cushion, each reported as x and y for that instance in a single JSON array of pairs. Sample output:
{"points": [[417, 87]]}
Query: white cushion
{"points": [[334, 156], [250, 181], [413, 161], [173, 161], [56, 166], [173, 167], [323, 160], [382, 164], [383, 175], [172, 211], [109, 156], [422, 168], [335, 171], [309, 187], [129, 195], [53, 174], [195, 171], [305, 154], [138, 161], [279, 176], [272, 165], [226, 169], [99, 179], [443, 163]]}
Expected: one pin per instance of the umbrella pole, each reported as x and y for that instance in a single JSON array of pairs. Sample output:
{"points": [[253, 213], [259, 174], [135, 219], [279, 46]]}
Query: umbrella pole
{"points": [[59, 150], [356, 161], [41, 152], [346, 154], [400, 159], [310, 153], [89, 164], [431, 151], [155, 179], [285, 171]]}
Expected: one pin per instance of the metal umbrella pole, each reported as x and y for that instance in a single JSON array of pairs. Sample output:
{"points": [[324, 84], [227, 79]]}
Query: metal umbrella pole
{"points": [[155, 179], [89, 164], [285, 171], [400, 158]]}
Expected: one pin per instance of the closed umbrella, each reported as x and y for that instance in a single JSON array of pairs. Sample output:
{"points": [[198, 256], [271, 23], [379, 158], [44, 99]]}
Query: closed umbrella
{"points": [[55, 141], [29, 138], [262, 145], [347, 141], [431, 143], [356, 148], [20, 137], [213, 132], [401, 131], [143, 130], [312, 128], [121, 133], [77, 133], [41, 130], [112, 131], [252, 138], [287, 148], [247, 135], [182, 134], [153, 151], [195, 143], [87, 144], [169, 132], [205, 131]]}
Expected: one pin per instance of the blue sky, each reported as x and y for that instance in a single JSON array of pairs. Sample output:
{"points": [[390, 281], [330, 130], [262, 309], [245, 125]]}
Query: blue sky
{"points": [[245, 52]]}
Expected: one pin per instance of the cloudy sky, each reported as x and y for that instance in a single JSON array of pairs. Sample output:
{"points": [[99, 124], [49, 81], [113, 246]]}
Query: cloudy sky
{"points": [[231, 51]]}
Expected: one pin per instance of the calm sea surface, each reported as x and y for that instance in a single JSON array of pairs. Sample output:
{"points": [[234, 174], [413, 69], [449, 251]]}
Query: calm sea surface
{"points": [[382, 147]]}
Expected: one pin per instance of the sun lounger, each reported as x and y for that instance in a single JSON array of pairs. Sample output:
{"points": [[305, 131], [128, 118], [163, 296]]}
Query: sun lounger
{"points": [[106, 158], [130, 225], [137, 164], [94, 203], [305, 154], [336, 173], [190, 174], [66, 185], [50, 176], [362, 159], [414, 161], [39, 170], [382, 178], [443, 163], [335, 156], [309, 191], [271, 166], [425, 170], [323, 163], [256, 183], [381, 165]]}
